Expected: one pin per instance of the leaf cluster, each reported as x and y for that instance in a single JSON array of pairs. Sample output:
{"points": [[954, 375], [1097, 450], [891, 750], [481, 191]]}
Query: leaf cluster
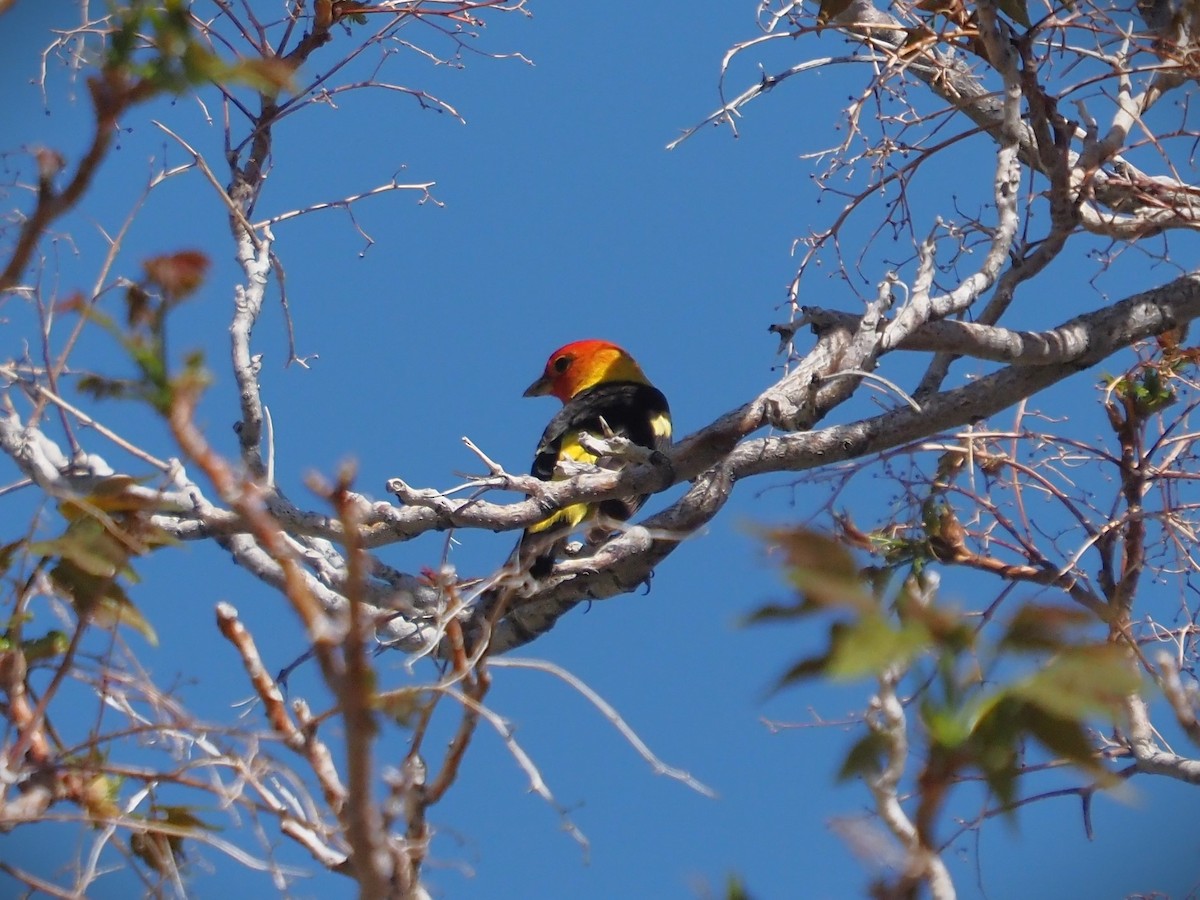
{"points": [[105, 531], [168, 280], [979, 701], [943, 20], [157, 46], [160, 843], [1152, 386]]}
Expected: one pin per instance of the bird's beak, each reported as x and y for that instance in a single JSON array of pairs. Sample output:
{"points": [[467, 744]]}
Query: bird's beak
{"points": [[539, 388]]}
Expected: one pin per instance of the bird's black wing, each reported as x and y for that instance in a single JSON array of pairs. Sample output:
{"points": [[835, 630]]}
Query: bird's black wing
{"points": [[636, 411]]}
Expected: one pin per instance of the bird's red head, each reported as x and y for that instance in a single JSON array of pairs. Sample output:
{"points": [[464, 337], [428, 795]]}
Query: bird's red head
{"points": [[584, 364]]}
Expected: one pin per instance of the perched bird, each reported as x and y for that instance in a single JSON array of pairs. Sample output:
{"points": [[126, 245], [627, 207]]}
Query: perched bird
{"points": [[604, 391]]}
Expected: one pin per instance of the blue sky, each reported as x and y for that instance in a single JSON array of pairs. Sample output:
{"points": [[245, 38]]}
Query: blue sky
{"points": [[560, 215]]}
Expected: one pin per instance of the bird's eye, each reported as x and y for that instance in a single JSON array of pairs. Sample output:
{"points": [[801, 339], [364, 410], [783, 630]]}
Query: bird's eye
{"points": [[561, 364]]}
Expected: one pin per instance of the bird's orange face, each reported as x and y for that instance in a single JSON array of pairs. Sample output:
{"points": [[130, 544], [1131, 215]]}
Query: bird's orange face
{"points": [[582, 364]]}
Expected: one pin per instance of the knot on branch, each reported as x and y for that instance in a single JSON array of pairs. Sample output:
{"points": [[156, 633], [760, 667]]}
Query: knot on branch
{"points": [[791, 407], [426, 498]]}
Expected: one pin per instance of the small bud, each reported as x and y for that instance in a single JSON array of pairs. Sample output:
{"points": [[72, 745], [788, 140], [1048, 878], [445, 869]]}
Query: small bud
{"points": [[49, 162]]}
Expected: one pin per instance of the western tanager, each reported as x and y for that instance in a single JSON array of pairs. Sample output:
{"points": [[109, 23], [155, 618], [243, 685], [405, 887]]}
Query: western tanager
{"points": [[604, 392]]}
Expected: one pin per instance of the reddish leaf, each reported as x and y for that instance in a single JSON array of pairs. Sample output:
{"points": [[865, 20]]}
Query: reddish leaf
{"points": [[178, 274], [822, 568]]}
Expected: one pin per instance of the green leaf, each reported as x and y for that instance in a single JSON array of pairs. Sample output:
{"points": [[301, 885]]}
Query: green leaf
{"points": [[183, 817], [822, 568], [1081, 681], [1065, 738], [735, 888], [101, 599], [198, 65], [99, 796], [403, 705], [102, 388], [871, 644], [994, 746], [779, 612], [267, 76], [947, 628], [952, 725], [158, 848], [87, 547], [7, 552], [148, 354], [865, 758], [809, 667], [49, 646]]}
